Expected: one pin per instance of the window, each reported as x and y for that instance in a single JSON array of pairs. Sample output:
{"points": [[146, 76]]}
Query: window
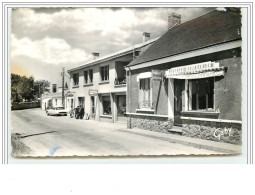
{"points": [[201, 94], [104, 72], [145, 93], [91, 75], [88, 76], [76, 79], [106, 105], [54, 88]]}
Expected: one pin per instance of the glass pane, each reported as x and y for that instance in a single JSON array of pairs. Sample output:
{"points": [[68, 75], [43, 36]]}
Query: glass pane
{"points": [[106, 105], [202, 89], [210, 93], [194, 94]]}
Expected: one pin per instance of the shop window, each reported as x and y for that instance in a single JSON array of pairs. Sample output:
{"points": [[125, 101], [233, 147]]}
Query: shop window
{"points": [[104, 73], [106, 105], [201, 94], [76, 79], [145, 93]]}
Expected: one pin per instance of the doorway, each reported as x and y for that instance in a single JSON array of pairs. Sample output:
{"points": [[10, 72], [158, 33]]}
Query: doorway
{"points": [[178, 90], [93, 109], [81, 101], [121, 108]]}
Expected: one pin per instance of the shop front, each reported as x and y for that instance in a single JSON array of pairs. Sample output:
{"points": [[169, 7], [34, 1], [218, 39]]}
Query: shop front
{"points": [[202, 100], [194, 90]]}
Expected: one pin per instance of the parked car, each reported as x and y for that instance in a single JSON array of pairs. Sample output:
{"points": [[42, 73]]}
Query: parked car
{"points": [[57, 111]]}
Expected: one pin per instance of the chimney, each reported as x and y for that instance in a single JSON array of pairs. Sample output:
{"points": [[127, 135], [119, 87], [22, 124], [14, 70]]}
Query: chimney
{"points": [[95, 55], [173, 20], [146, 36]]}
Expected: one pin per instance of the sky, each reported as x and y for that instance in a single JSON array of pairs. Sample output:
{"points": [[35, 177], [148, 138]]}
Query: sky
{"points": [[43, 40]]}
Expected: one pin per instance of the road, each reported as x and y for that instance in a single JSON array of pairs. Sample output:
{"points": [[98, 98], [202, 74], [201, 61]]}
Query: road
{"points": [[64, 136]]}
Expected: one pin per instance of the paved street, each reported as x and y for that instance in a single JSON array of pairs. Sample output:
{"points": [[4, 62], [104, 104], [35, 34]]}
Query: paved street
{"points": [[64, 136]]}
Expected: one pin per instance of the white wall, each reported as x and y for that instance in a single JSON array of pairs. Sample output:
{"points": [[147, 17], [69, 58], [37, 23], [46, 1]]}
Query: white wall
{"points": [[83, 90]]}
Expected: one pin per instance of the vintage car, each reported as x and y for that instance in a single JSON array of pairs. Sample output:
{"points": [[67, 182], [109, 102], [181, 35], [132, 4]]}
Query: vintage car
{"points": [[57, 111]]}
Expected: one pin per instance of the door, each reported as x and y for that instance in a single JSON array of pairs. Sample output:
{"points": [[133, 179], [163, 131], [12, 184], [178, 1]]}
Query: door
{"points": [[178, 89], [93, 109], [121, 108], [81, 101]]}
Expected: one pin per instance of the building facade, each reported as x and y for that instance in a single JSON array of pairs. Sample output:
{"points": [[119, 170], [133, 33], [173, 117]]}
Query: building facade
{"points": [[100, 85], [54, 98], [189, 80]]}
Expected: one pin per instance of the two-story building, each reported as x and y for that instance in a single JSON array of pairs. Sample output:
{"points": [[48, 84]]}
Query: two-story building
{"points": [[54, 97], [100, 85], [189, 80]]}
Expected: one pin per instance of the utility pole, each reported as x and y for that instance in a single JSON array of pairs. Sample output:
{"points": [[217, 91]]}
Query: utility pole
{"points": [[63, 86]]}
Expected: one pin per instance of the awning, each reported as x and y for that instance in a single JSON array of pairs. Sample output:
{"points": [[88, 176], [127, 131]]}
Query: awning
{"points": [[196, 71], [144, 75]]}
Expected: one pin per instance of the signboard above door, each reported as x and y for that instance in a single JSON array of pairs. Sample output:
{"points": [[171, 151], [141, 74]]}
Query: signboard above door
{"points": [[93, 92]]}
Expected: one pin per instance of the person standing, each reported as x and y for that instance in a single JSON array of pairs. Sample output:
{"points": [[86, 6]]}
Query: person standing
{"points": [[81, 112], [77, 112], [71, 112]]}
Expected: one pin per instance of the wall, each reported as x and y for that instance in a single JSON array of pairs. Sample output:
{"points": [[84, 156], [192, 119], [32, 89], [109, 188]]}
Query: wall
{"points": [[227, 101], [159, 92], [215, 131], [101, 87], [227, 89], [24, 105], [150, 122]]}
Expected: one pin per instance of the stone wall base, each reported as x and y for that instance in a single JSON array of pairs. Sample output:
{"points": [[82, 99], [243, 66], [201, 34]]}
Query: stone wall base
{"points": [[152, 123], [215, 131]]}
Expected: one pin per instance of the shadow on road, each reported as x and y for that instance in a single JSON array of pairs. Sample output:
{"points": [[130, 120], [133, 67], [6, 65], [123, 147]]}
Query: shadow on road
{"points": [[38, 134]]}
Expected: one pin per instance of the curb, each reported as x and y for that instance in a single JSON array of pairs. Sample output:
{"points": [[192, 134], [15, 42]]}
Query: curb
{"points": [[187, 143]]}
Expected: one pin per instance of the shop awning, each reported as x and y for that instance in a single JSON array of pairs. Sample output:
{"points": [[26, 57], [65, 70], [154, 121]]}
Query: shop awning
{"points": [[144, 75], [196, 71]]}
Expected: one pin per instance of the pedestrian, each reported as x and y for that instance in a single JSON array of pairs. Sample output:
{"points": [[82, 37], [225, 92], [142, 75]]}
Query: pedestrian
{"points": [[71, 112], [77, 114], [81, 112]]}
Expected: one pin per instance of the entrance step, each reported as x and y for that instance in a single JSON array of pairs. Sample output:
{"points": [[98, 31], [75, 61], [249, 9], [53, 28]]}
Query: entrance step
{"points": [[176, 129]]}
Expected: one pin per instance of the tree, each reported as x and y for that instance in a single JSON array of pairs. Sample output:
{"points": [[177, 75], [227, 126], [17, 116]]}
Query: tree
{"points": [[21, 88], [40, 87], [15, 88], [26, 89]]}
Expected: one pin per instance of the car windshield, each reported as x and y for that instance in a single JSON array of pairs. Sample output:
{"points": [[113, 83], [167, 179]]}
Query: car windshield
{"points": [[60, 108]]}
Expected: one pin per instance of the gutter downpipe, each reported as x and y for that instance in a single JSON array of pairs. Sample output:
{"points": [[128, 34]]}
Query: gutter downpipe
{"points": [[129, 95]]}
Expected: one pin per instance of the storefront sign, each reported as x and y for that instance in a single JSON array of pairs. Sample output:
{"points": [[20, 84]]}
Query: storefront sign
{"points": [[69, 95], [196, 71], [93, 92]]}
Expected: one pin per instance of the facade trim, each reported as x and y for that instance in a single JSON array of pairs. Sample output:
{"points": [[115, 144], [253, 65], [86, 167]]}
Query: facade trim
{"points": [[153, 115], [212, 120], [203, 51]]}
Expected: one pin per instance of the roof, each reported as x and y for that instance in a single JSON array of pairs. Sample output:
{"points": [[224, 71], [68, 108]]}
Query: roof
{"points": [[114, 55], [210, 29], [54, 95]]}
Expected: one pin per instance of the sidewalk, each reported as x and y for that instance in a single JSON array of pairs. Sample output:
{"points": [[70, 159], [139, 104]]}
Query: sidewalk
{"points": [[173, 138], [195, 142]]}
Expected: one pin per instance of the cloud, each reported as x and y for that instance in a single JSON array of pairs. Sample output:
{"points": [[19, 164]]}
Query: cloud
{"points": [[55, 37], [49, 50]]}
